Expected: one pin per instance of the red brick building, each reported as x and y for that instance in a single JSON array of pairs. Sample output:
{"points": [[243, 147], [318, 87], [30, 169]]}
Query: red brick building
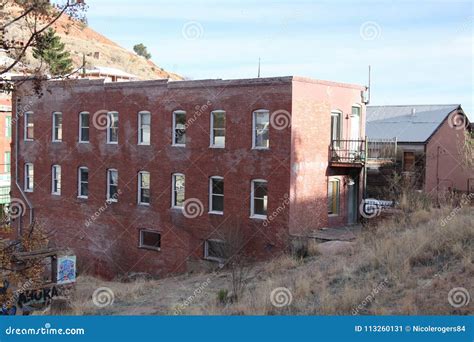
{"points": [[145, 176]]}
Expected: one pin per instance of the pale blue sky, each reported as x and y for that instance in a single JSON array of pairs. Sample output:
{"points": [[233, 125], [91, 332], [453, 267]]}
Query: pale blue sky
{"points": [[420, 51]]}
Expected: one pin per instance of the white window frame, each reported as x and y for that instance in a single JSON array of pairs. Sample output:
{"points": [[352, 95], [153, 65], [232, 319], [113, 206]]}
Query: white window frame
{"points": [[81, 139], [79, 181], [211, 143], [7, 163], [338, 196], [27, 186], [139, 198], [252, 198], [173, 189], [109, 198], [110, 121], [140, 128], [173, 143], [254, 130], [25, 128], [206, 250], [56, 179], [140, 242], [53, 135], [8, 126], [211, 194]]}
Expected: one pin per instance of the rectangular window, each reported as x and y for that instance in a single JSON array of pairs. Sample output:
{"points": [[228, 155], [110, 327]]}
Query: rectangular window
{"points": [[112, 185], [84, 127], [83, 182], [144, 128], [8, 126], [177, 199], [218, 129], [216, 250], [6, 161], [333, 197], [57, 126], [261, 123], [216, 195], [29, 126], [29, 175], [56, 180], [143, 187], [150, 239], [336, 128], [259, 199], [179, 128], [112, 127]]}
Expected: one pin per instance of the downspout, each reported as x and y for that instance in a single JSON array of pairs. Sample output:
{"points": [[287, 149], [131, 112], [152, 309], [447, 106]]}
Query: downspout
{"points": [[30, 206]]}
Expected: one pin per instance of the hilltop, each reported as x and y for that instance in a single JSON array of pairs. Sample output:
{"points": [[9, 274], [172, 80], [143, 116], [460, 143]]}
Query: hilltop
{"points": [[99, 50]]}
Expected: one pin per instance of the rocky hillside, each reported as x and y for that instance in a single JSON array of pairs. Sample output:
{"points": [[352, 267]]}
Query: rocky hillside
{"points": [[99, 50]]}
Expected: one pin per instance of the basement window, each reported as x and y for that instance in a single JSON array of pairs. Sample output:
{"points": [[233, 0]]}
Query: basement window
{"points": [[57, 127], [215, 250], [333, 197], [150, 240], [179, 128]]}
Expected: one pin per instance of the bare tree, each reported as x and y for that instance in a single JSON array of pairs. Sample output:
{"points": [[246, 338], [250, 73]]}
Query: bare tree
{"points": [[35, 17]]}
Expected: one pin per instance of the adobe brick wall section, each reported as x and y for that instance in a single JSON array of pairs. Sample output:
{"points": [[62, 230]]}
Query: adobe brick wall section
{"points": [[108, 246]]}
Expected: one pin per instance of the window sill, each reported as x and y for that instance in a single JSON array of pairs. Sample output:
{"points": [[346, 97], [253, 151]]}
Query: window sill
{"points": [[57, 141], [83, 142], [28, 139], [177, 208], [83, 197], [178, 145], [28, 190], [143, 204], [56, 193], [219, 260], [260, 148], [112, 143], [111, 200], [156, 249], [216, 212], [143, 144], [333, 215], [258, 217], [217, 147]]}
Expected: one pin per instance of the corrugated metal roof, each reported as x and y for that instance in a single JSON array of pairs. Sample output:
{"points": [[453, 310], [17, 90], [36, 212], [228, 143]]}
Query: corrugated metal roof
{"points": [[415, 123]]}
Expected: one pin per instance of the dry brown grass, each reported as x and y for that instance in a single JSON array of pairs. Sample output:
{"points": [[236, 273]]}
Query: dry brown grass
{"points": [[403, 266]]}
